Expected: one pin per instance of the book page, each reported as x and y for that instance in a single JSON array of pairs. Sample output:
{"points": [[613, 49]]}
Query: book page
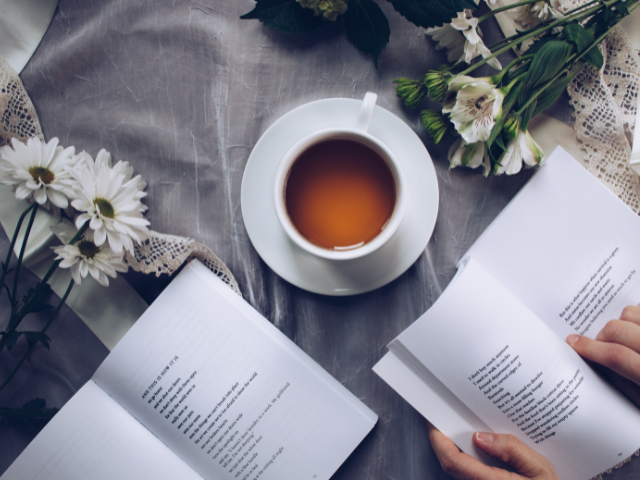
{"points": [[515, 374], [567, 248], [92, 437], [443, 409], [228, 392]]}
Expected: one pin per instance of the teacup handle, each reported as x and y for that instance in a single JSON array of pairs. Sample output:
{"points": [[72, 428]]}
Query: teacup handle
{"points": [[362, 123]]}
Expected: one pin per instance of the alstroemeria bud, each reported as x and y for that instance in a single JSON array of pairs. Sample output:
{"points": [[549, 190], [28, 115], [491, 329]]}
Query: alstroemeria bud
{"points": [[410, 91], [435, 123], [511, 126], [436, 83]]}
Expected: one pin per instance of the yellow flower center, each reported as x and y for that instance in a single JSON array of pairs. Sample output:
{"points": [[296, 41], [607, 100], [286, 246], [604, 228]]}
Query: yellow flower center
{"points": [[41, 174], [88, 249], [106, 209]]}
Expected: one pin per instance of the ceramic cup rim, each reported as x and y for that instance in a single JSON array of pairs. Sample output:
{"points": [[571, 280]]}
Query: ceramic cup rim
{"points": [[361, 137]]}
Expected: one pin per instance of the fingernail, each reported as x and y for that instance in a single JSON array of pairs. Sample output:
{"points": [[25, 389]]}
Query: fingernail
{"points": [[486, 438], [573, 338]]}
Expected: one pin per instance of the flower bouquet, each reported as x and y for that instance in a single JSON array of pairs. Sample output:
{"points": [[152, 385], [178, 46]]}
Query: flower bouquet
{"points": [[100, 217], [490, 115]]}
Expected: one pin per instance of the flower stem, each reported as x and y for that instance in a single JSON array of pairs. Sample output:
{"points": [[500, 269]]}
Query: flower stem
{"points": [[55, 313], [536, 33], [21, 256], [576, 62], [5, 267], [16, 318], [498, 78], [51, 271], [502, 9]]}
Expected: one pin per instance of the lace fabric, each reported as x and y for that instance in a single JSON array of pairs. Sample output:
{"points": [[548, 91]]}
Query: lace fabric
{"points": [[18, 118], [158, 254], [605, 105]]}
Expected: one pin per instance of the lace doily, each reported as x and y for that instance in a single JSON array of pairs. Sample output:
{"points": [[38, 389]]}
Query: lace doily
{"points": [[605, 105], [18, 117], [161, 253], [158, 254]]}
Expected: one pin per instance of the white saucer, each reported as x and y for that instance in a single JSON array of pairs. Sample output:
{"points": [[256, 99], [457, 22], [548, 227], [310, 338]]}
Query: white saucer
{"points": [[329, 277]]}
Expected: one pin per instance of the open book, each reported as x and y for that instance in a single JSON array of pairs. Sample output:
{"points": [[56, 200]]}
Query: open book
{"points": [[490, 354], [202, 387]]}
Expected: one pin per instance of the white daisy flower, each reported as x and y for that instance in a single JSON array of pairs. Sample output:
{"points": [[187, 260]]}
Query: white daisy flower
{"points": [[473, 46], [38, 171], [471, 156], [533, 14], [522, 147], [110, 200], [476, 108], [84, 257]]}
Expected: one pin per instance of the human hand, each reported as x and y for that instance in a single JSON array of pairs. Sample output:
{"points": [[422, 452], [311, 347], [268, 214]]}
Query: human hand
{"points": [[526, 462], [617, 347]]}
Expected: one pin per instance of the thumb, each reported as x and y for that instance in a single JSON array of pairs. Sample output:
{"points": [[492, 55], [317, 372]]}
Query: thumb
{"points": [[512, 451]]}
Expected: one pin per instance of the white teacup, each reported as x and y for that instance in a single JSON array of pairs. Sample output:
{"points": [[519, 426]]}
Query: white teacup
{"points": [[358, 134]]}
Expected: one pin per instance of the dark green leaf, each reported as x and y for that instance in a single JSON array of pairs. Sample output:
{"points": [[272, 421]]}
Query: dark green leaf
{"points": [[431, 13], [594, 57], [583, 39], [35, 337], [538, 43], [510, 98], [500, 142], [38, 302], [495, 131], [527, 114], [551, 93], [32, 413], [367, 27], [548, 62], [621, 9], [577, 35], [12, 338], [286, 16]]}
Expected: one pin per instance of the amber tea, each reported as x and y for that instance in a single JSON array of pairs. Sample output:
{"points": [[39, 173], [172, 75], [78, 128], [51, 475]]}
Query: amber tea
{"points": [[340, 194]]}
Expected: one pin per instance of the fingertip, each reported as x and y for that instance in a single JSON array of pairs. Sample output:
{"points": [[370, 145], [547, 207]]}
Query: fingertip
{"points": [[484, 438], [573, 339]]}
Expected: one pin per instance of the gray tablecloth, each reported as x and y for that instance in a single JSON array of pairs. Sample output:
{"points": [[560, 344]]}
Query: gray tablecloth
{"points": [[183, 90]]}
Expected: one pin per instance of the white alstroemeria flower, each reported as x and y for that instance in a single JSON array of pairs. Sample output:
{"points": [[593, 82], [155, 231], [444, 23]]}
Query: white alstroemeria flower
{"points": [[471, 156], [450, 39], [38, 170], [474, 46], [533, 14], [84, 257], [477, 107], [522, 147], [110, 200]]}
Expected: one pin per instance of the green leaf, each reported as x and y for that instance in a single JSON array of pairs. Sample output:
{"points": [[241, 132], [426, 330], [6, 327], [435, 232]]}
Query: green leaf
{"points": [[583, 39], [12, 338], [548, 62], [553, 91], [38, 303], [431, 13], [32, 413], [367, 27], [495, 131], [500, 142], [286, 16], [527, 114], [510, 98], [594, 57], [35, 337], [577, 34]]}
